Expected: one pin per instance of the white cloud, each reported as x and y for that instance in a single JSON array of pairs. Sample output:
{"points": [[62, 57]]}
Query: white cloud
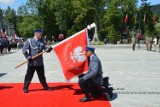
{"points": [[7, 1]]}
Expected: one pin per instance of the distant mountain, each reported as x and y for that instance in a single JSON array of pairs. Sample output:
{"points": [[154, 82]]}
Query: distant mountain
{"points": [[156, 9]]}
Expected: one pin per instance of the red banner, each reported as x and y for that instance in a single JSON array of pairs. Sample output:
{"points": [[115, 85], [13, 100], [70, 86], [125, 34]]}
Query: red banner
{"points": [[72, 56], [126, 19]]}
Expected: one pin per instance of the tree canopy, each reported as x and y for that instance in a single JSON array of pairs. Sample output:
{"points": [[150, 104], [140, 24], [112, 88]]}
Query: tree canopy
{"points": [[70, 16]]}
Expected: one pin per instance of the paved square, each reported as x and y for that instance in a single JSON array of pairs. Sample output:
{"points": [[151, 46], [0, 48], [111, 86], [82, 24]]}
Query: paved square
{"points": [[135, 75]]}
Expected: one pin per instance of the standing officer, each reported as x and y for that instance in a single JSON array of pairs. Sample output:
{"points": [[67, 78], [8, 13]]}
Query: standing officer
{"points": [[32, 47], [133, 40], [93, 76]]}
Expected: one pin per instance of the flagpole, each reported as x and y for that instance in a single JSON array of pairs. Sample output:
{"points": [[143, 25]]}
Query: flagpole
{"points": [[139, 20], [32, 59], [89, 27]]}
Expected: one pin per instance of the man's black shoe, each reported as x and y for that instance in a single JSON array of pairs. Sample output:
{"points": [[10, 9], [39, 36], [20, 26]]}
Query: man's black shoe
{"points": [[25, 90], [48, 89], [110, 92], [85, 99]]}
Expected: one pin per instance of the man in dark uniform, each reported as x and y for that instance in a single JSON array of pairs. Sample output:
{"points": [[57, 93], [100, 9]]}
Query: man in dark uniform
{"points": [[94, 75], [32, 47]]}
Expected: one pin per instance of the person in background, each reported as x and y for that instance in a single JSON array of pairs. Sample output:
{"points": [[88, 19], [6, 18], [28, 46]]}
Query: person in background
{"points": [[45, 38], [150, 42], [53, 39], [6, 44], [133, 40], [105, 41], [147, 42], [139, 37], [9, 46], [155, 43]]}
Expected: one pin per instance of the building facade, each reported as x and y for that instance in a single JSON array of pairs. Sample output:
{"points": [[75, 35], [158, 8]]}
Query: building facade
{"points": [[7, 27]]}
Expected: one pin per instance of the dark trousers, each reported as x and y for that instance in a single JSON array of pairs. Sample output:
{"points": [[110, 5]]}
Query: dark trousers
{"points": [[30, 73], [138, 44], [133, 46], [9, 48], [1, 49], [88, 86]]}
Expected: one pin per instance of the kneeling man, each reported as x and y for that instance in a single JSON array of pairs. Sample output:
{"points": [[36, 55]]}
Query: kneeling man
{"points": [[94, 75]]}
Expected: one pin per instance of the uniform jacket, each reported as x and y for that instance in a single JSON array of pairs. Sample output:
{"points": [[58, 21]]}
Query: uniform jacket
{"points": [[31, 48], [95, 70]]}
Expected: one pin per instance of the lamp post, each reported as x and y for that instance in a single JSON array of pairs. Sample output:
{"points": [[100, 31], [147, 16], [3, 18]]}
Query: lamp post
{"points": [[139, 32]]}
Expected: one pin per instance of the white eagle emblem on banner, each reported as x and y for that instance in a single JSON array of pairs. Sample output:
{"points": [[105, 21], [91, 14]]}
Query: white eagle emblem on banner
{"points": [[78, 55]]}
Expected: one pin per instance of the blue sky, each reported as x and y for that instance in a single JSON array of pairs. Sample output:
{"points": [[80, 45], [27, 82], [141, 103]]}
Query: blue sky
{"points": [[12, 3], [16, 3]]}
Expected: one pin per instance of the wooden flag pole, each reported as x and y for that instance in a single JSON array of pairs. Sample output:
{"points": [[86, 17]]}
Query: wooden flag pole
{"points": [[32, 58]]}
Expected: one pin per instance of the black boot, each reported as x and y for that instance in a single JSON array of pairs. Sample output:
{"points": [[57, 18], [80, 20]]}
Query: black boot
{"points": [[110, 92], [86, 98], [25, 90], [47, 88]]}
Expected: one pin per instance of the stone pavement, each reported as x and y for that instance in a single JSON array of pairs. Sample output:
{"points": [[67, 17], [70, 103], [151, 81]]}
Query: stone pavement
{"points": [[135, 75]]}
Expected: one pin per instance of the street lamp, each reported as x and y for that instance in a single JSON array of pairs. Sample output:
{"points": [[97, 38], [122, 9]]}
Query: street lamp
{"points": [[139, 32]]}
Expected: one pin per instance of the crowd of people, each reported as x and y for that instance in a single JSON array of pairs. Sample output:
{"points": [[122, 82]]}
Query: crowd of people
{"points": [[150, 42], [6, 44]]}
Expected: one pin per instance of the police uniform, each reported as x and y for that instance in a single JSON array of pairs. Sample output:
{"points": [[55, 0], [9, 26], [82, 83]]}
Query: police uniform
{"points": [[31, 48], [93, 77]]}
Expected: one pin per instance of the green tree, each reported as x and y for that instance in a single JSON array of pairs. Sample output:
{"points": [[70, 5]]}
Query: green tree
{"points": [[1, 17], [46, 14], [28, 25], [63, 14], [87, 12], [148, 27], [10, 16], [113, 20]]}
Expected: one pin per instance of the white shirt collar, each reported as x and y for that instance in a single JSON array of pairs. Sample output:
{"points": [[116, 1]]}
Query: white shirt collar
{"points": [[36, 39], [91, 56]]}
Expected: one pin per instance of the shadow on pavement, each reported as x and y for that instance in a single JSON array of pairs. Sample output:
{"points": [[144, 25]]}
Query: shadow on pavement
{"points": [[62, 87], [6, 53], [56, 88], [115, 95], [5, 87], [78, 92], [2, 74]]}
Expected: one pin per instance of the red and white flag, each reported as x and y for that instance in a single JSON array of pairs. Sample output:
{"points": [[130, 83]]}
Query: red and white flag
{"points": [[72, 56], [126, 19]]}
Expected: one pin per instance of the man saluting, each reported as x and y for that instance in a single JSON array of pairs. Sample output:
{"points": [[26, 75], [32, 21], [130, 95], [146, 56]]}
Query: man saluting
{"points": [[32, 47]]}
